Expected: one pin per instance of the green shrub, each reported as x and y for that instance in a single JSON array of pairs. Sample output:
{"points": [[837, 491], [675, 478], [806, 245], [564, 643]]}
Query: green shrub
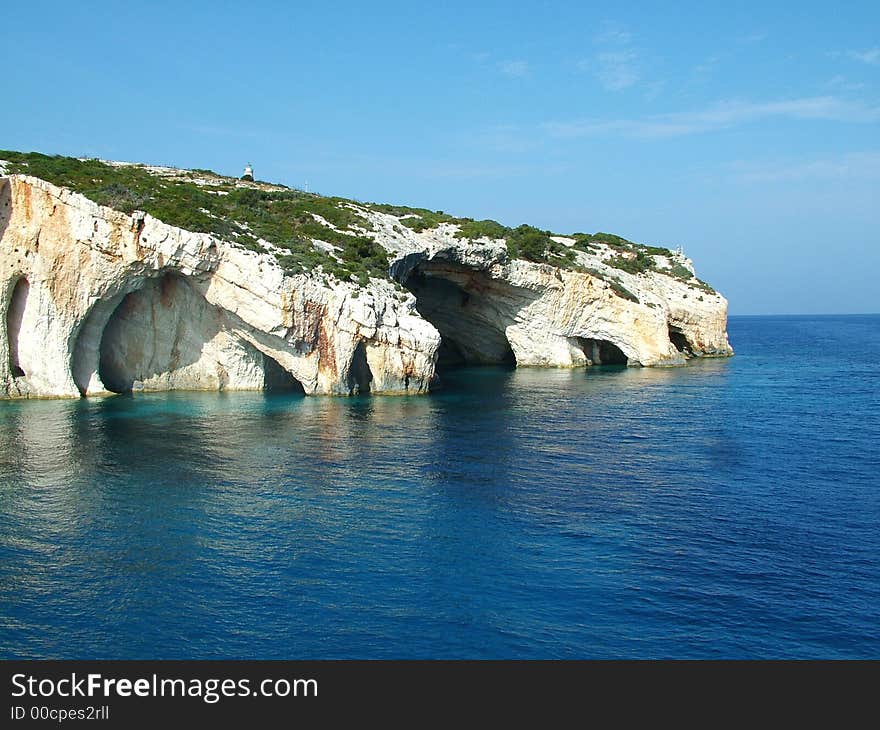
{"points": [[364, 257], [614, 283], [118, 196], [423, 220], [682, 273], [620, 290], [587, 241], [282, 217], [290, 263], [529, 243], [657, 251], [584, 242], [471, 229], [608, 239], [567, 255], [637, 264], [285, 217]]}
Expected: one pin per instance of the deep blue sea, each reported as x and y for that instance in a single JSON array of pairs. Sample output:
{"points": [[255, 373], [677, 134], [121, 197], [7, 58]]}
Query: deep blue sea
{"points": [[727, 509]]}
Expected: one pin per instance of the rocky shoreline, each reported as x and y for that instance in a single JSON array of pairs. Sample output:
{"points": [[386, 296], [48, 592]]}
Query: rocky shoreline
{"points": [[99, 301]]}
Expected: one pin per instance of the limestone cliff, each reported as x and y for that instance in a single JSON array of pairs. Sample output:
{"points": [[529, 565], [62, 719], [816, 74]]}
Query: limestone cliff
{"points": [[97, 300]]}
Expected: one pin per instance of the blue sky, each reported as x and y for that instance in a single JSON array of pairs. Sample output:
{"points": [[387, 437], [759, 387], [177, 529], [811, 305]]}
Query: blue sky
{"points": [[749, 134]]}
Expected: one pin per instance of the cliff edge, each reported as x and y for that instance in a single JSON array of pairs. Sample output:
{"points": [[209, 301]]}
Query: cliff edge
{"points": [[117, 277]]}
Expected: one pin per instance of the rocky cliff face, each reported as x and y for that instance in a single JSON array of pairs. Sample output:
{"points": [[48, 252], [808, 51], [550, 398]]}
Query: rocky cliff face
{"points": [[98, 301]]}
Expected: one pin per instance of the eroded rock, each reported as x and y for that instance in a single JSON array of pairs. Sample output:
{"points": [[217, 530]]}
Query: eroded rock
{"points": [[97, 301]]}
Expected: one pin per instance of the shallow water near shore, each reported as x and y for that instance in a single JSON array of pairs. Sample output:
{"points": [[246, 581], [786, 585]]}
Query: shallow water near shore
{"points": [[727, 509]]}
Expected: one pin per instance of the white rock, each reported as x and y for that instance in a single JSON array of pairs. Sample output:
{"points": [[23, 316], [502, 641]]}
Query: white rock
{"points": [[96, 300], [195, 312]]}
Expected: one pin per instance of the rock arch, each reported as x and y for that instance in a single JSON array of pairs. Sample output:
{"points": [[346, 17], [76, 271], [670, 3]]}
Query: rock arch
{"points": [[471, 326], [278, 380], [157, 331], [85, 357], [162, 334], [601, 352]]}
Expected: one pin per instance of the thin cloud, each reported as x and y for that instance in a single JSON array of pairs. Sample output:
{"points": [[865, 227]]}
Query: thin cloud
{"points": [[617, 70], [719, 116], [871, 56], [515, 69], [707, 67], [217, 131], [612, 34], [462, 170], [859, 165], [843, 83], [754, 37], [505, 138], [616, 62], [654, 89]]}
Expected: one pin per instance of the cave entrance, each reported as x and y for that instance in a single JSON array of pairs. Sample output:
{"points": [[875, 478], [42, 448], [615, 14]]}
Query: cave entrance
{"points": [[113, 356], [453, 353], [677, 338], [14, 317], [157, 330], [602, 352], [449, 355], [278, 380], [166, 336], [467, 322], [360, 377]]}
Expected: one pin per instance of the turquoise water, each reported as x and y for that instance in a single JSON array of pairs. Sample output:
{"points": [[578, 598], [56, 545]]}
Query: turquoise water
{"points": [[727, 509]]}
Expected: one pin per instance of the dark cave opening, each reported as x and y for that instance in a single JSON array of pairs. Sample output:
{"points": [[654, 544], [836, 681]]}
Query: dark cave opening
{"points": [[14, 317], [465, 319], [449, 355], [602, 352], [277, 380], [677, 338], [111, 366], [360, 377]]}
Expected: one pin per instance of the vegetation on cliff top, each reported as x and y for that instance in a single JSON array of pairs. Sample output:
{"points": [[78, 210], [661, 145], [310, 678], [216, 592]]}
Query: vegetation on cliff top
{"points": [[235, 212], [292, 220], [532, 244]]}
